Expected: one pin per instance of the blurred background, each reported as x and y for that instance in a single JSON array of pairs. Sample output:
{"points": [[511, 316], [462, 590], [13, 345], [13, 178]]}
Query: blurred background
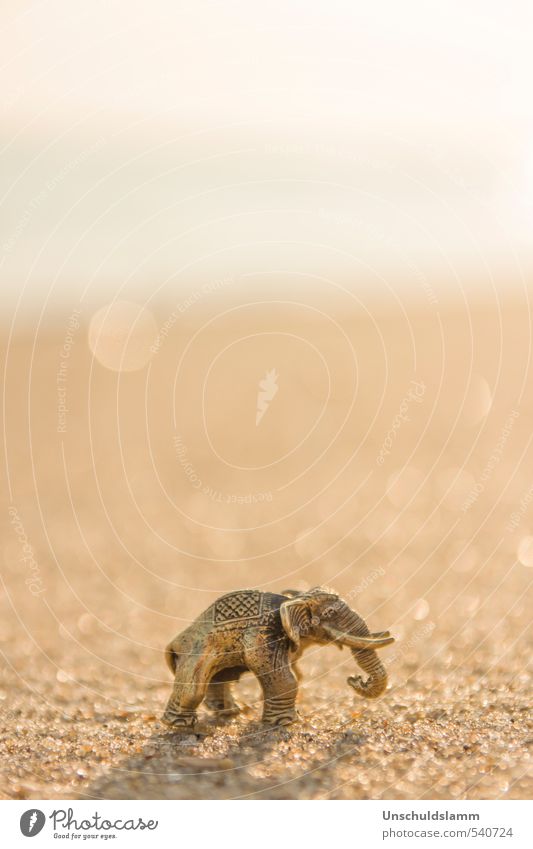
{"points": [[147, 149], [266, 278]]}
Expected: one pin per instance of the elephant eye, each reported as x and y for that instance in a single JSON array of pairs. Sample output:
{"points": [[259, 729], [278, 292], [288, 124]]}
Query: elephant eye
{"points": [[327, 613]]}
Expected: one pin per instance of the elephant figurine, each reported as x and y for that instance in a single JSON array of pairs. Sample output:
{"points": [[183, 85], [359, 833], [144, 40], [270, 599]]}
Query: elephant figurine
{"points": [[265, 633]]}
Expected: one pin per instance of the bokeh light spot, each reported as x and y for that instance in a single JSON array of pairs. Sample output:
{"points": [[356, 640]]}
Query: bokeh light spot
{"points": [[525, 551], [121, 336]]}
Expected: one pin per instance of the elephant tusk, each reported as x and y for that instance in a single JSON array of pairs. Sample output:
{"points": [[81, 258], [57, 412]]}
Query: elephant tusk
{"points": [[372, 641]]}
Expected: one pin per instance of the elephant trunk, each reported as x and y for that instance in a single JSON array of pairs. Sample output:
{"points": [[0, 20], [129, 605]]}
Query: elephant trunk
{"points": [[376, 683], [367, 659]]}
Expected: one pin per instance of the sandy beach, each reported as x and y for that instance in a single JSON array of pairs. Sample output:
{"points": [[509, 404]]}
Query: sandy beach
{"points": [[392, 463]]}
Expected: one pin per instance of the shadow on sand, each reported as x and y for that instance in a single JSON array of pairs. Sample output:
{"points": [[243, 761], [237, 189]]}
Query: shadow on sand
{"points": [[230, 759]]}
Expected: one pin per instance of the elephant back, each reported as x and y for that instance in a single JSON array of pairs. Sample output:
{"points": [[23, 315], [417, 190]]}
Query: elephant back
{"points": [[238, 606], [241, 606]]}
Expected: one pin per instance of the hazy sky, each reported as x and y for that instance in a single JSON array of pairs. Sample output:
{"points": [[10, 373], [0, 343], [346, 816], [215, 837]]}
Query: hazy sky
{"points": [[145, 146]]}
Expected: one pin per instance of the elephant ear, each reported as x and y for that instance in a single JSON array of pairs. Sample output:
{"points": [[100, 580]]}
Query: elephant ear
{"points": [[291, 593], [295, 618]]}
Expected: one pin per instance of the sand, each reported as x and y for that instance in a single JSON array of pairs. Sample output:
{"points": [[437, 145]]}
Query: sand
{"points": [[393, 464]]}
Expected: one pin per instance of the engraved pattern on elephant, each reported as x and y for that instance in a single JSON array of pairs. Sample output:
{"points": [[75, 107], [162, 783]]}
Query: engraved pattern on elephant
{"points": [[238, 606]]}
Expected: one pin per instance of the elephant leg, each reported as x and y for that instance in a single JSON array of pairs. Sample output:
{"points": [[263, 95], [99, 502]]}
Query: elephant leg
{"points": [[296, 672], [218, 696], [280, 688], [190, 687], [294, 657]]}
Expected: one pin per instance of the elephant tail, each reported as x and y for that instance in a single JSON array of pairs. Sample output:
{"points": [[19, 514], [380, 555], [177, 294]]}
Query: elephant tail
{"points": [[171, 657]]}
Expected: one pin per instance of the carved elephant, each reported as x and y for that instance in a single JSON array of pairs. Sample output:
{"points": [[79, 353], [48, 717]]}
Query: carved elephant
{"points": [[265, 633]]}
